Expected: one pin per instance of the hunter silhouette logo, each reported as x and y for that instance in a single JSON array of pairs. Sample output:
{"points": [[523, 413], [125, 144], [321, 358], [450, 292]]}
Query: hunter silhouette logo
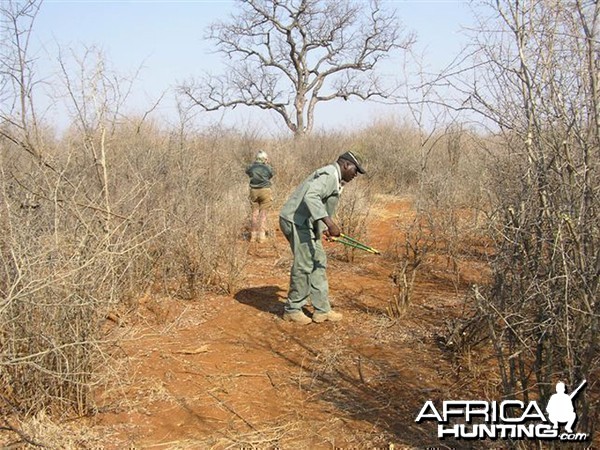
{"points": [[508, 419], [560, 407]]}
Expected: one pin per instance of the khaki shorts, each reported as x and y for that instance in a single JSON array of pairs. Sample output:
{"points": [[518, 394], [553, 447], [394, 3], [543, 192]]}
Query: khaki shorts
{"points": [[261, 198]]}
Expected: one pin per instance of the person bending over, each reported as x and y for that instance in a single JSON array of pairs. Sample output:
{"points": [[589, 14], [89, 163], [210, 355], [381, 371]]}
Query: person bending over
{"points": [[304, 218]]}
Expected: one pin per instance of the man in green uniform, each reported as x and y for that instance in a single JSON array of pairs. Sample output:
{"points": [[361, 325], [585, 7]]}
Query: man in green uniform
{"points": [[306, 215]]}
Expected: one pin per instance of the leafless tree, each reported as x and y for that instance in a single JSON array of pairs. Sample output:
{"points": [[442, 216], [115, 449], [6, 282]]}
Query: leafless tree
{"points": [[289, 55], [18, 122]]}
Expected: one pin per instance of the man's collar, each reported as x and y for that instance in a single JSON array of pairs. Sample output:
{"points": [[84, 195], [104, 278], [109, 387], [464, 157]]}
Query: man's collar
{"points": [[339, 175]]}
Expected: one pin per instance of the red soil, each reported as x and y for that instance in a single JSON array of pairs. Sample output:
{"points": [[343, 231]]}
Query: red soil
{"points": [[227, 372]]}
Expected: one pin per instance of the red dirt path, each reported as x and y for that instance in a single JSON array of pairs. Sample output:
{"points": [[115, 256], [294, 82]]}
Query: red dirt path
{"points": [[227, 372]]}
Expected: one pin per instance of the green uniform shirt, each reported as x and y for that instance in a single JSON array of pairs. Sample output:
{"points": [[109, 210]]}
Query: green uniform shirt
{"points": [[317, 197]]}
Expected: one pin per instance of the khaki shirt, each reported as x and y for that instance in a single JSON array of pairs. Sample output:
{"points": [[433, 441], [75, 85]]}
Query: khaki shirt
{"points": [[316, 198]]}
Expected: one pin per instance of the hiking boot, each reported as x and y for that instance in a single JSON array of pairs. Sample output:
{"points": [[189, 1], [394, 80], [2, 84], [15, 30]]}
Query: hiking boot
{"points": [[332, 316], [298, 317]]}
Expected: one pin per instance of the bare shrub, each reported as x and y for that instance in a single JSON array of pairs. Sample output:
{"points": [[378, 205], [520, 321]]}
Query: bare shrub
{"points": [[61, 272], [444, 174], [411, 248], [393, 153], [295, 159], [353, 213], [199, 194], [539, 62], [207, 253], [69, 237]]}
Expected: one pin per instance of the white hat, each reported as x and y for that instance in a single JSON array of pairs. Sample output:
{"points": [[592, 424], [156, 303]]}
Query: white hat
{"points": [[262, 156]]}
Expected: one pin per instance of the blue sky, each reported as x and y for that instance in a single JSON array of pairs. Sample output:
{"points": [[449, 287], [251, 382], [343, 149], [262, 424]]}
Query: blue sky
{"points": [[165, 38]]}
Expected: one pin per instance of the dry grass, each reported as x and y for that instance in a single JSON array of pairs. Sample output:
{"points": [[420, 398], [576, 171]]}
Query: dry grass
{"points": [[42, 430]]}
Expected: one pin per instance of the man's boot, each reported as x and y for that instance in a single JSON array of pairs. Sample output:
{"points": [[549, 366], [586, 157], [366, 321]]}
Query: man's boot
{"points": [[297, 316], [330, 316]]}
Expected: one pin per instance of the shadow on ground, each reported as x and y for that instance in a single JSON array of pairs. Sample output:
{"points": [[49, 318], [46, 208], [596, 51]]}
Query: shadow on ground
{"points": [[264, 298]]}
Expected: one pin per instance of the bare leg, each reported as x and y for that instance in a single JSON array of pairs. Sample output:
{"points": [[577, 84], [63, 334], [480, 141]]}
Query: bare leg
{"points": [[254, 226], [262, 222]]}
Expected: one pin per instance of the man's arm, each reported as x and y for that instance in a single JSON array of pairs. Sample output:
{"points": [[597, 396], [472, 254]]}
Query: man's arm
{"points": [[321, 187], [318, 188], [332, 229]]}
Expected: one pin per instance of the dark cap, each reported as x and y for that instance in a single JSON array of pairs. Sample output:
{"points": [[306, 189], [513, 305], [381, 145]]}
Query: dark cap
{"points": [[356, 159]]}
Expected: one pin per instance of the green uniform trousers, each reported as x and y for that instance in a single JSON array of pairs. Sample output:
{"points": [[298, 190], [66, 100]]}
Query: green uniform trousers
{"points": [[307, 276]]}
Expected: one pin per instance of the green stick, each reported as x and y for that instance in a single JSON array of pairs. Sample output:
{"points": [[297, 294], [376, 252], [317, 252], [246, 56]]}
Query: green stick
{"points": [[351, 239], [350, 242]]}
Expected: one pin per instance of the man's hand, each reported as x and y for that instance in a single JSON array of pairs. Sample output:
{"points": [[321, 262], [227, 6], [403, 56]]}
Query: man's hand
{"points": [[332, 229]]}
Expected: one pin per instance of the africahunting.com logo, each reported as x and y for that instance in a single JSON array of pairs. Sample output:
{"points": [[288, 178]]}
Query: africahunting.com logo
{"points": [[508, 419]]}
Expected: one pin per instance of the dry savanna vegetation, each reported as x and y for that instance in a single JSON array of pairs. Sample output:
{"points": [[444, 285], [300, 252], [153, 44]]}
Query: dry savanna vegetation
{"points": [[121, 215]]}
